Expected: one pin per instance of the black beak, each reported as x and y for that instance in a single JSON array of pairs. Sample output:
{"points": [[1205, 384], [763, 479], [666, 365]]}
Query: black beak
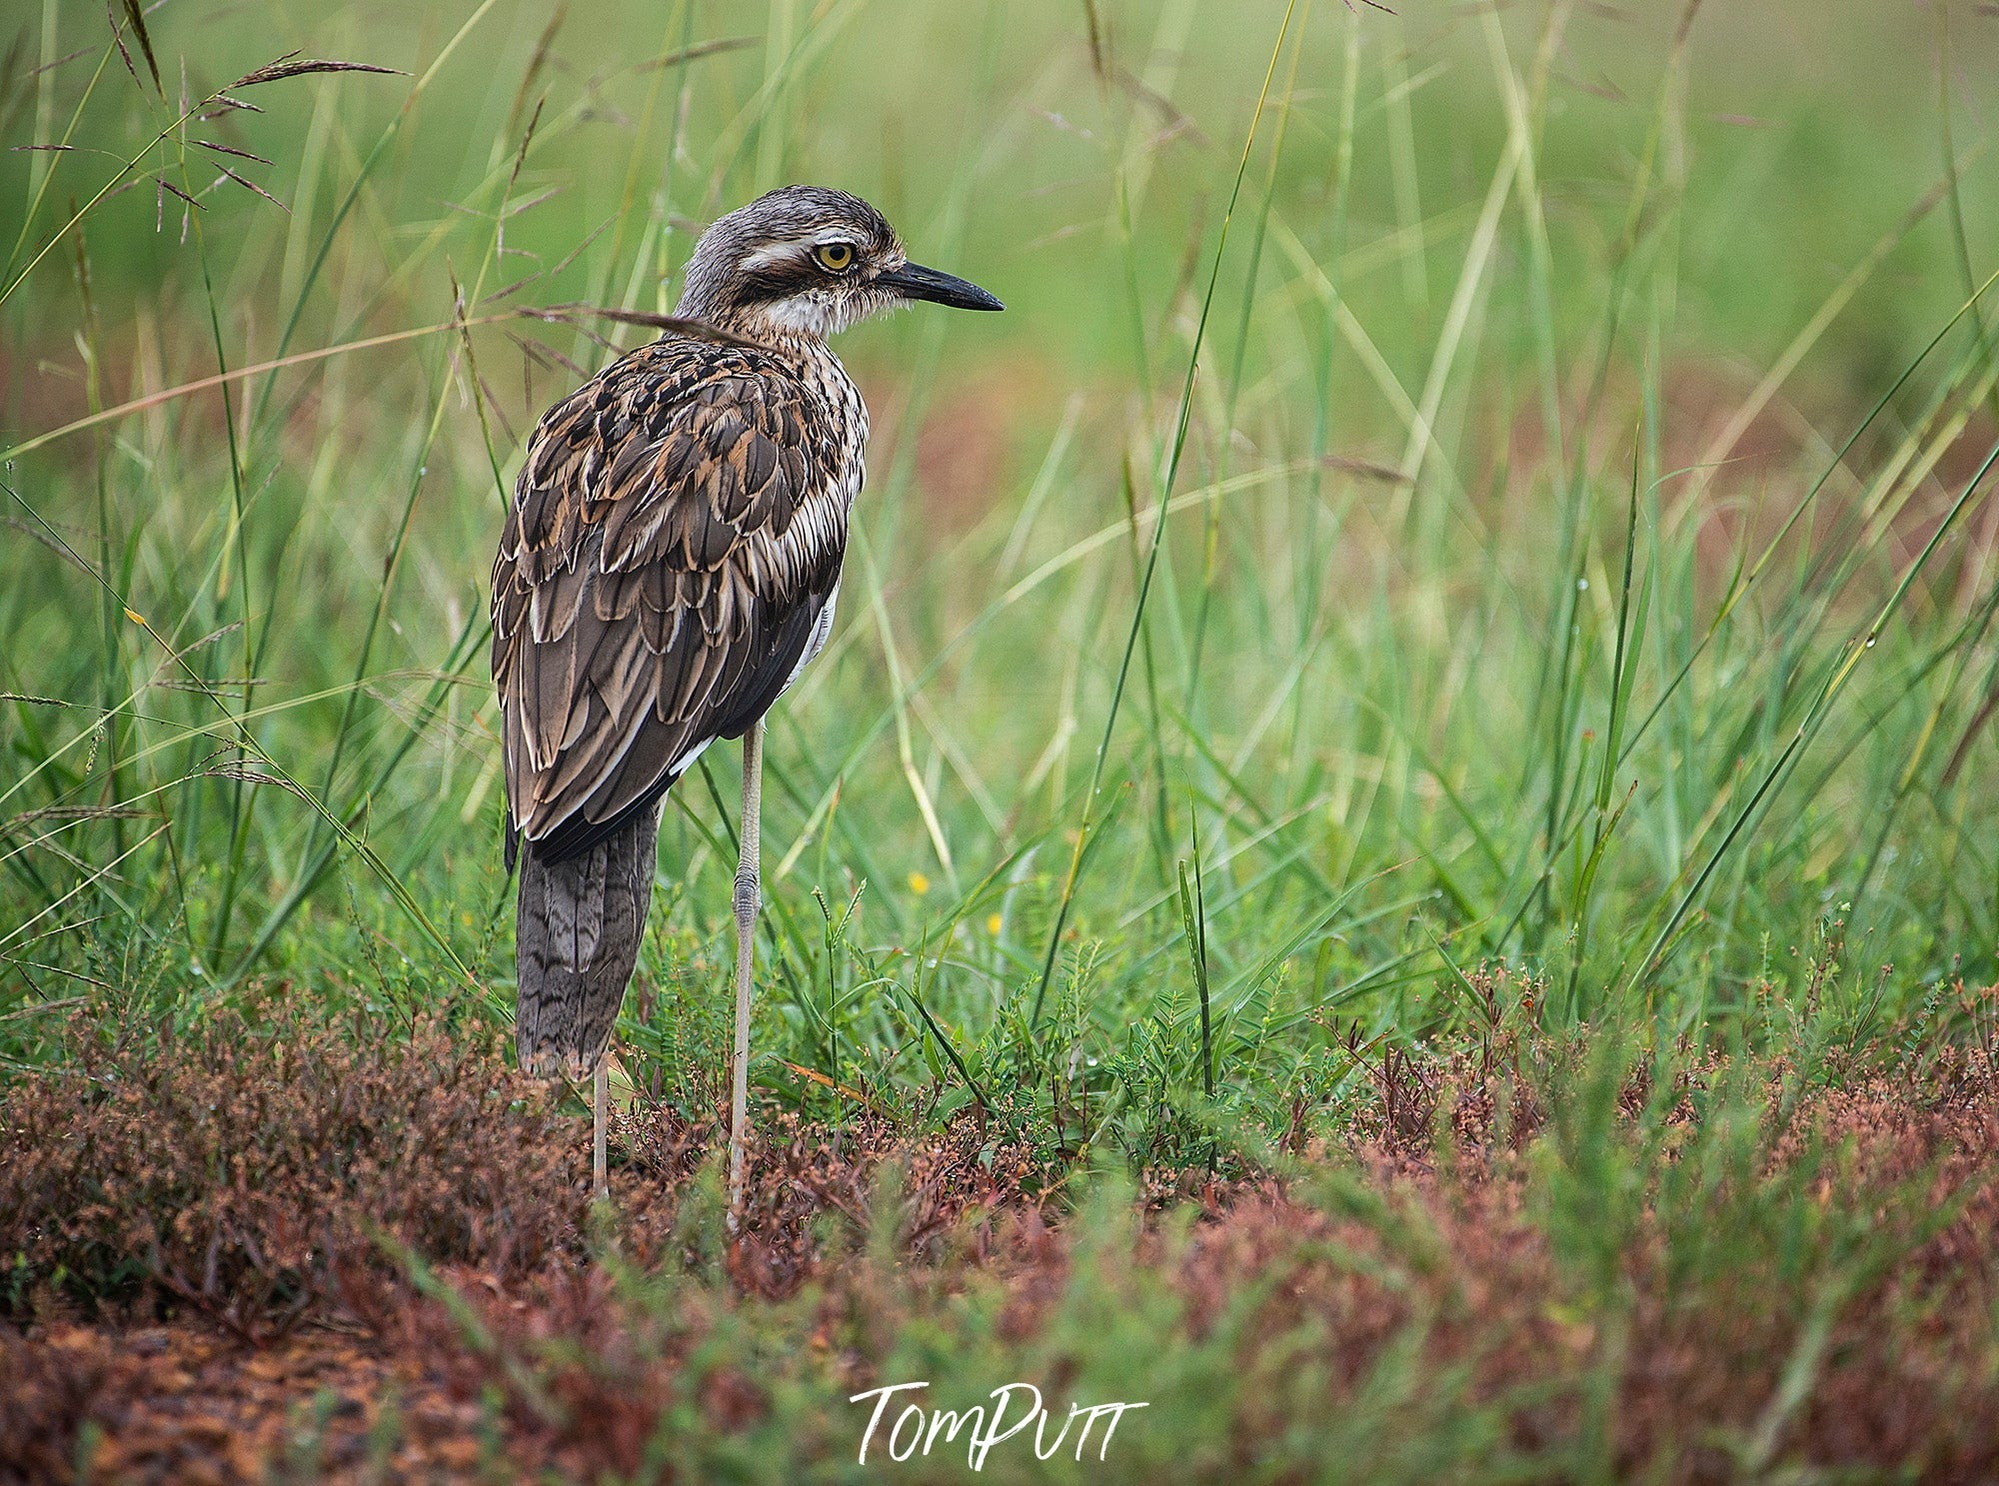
{"points": [[914, 281]]}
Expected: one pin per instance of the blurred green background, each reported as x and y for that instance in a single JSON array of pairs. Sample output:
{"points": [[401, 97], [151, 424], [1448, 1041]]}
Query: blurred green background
{"points": [[1548, 460]]}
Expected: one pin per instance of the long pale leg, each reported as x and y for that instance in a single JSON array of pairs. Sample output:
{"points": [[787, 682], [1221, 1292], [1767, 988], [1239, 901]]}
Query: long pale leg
{"points": [[747, 903], [599, 1164]]}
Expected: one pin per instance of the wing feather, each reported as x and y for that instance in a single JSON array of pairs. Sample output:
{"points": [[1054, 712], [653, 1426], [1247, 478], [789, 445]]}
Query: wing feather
{"points": [[675, 537]]}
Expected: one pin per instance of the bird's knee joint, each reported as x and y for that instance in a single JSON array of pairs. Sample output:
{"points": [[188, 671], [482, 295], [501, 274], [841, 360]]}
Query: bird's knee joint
{"points": [[748, 900]]}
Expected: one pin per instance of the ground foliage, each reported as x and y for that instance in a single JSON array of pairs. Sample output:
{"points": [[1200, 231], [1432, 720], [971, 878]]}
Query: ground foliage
{"points": [[1515, 1257]]}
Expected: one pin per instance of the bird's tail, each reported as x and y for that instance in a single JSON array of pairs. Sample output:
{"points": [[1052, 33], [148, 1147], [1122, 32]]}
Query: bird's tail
{"points": [[577, 931]]}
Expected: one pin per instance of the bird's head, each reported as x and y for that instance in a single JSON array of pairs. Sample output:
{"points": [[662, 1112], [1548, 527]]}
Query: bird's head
{"points": [[806, 261]]}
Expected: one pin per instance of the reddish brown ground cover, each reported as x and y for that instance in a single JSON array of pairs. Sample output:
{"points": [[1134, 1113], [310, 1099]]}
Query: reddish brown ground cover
{"points": [[387, 1271]]}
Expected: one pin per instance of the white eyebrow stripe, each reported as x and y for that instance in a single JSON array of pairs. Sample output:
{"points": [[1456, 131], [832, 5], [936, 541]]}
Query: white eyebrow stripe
{"points": [[769, 253], [793, 249]]}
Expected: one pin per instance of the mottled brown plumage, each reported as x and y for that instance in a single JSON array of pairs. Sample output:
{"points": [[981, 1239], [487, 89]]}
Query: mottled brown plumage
{"points": [[670, 563], [675, 540]]}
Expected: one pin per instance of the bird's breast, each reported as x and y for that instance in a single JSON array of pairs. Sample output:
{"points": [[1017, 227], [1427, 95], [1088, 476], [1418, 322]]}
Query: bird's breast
{"points": [[824, 374]]}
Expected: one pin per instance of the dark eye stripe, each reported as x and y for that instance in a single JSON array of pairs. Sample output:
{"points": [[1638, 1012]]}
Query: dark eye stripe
{"points": [[777, 281]]}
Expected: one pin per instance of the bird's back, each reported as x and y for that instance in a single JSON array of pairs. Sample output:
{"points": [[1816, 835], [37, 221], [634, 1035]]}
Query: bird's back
{"points": [[669, 563]]}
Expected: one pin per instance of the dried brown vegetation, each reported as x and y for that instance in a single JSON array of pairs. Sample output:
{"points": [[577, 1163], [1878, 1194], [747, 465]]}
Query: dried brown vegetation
{"points": [[1814, 1289], [253, 1172]]}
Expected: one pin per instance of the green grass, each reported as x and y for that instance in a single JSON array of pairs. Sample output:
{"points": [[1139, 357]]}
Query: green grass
{"points": [[1518, 615], [1450, 490]]}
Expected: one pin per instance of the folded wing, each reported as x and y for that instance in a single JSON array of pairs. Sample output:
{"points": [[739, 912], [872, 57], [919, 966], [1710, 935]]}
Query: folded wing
{"points": [[675, 537]]}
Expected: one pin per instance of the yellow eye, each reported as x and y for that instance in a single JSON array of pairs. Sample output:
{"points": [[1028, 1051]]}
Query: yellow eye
{"points": [[835, 256]]}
